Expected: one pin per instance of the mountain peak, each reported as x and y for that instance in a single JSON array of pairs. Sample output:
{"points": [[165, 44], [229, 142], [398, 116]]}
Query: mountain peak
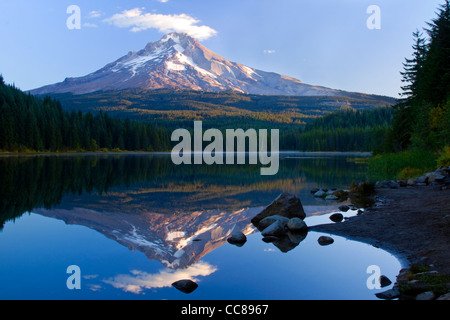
{"points": [[177, 60], [176, 37]]}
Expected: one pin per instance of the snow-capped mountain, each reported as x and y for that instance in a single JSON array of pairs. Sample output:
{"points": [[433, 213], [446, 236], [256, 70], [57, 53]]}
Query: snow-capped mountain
{"points": [[176, 241], [180, 61]]}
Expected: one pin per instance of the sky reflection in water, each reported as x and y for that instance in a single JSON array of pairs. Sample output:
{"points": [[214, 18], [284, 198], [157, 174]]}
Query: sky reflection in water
{"points": [[40, 247]]}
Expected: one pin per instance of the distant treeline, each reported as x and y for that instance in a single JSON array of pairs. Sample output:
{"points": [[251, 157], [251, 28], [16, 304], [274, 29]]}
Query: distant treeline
{"points": [[342, 131], [169, 106], [28, 123]]}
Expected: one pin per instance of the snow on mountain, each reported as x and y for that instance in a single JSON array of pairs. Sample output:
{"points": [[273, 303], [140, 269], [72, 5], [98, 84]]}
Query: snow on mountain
{"points": [[176, 241], [180, 61]]}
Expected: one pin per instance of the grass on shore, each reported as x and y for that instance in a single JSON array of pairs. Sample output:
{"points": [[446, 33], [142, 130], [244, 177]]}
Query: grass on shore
{"points": [[402, 165]]}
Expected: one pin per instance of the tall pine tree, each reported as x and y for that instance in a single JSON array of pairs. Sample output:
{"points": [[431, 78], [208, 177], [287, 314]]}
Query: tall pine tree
{"points": [[422, 115]]}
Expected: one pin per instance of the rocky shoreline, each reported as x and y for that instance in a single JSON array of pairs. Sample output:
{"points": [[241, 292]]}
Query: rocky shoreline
{"points": [[411, 220]]}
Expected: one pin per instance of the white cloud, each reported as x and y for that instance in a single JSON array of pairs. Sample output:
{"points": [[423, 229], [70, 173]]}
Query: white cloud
{"points": [[163, 1], [95, 14], [137, 281], [137, 20], [89, 25], [269, 51]]}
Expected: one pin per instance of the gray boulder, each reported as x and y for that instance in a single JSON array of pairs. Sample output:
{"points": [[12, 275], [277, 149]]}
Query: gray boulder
{"points": [[296, 225], [444, 297], [387, 184], [267, 221], [320, 194], [286, 205], [297, 237], [422, 180], [389, 294], [276, 229]]}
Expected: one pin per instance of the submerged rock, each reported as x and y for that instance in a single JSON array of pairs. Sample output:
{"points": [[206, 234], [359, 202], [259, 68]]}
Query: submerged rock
{"points": [[389, 294], [320, 194], [267, 221], [276, 229], [337, 217], [286, 205], [238, 239], [385, 281], [269, 239], [186, 286], [296, 225], [325, 240], [285, 244]]}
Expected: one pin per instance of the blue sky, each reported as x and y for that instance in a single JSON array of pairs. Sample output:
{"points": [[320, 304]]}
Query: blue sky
{"points": [[321, 42]]}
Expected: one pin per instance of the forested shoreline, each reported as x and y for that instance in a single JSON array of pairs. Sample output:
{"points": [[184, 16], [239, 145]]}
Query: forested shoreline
{"points": [[31, 124], [346, 130], [419, 139]]}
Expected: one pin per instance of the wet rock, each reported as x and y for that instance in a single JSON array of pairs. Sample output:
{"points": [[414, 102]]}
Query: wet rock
{"points": [[411, 182], [444, 297], [422, 180], [337, 217], [331, 197], [186, 286], [428, 295], [267, 221], [276, 229], [296, 225], [344, 208], [320, 194], [436, 176], [284, 244], [385, 281], [269, 239], [238, 239], [325, 240], [297, 237], [286, 205], [393, 293], [387, 184]]}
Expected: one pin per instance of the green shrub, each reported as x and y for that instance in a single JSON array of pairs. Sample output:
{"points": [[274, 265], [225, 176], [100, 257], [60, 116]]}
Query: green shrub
{"points": [[393, 165], [444, 158], [409, 173]]}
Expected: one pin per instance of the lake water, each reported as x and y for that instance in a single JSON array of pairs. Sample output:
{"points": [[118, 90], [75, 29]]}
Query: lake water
{"points": [[134, 224]]}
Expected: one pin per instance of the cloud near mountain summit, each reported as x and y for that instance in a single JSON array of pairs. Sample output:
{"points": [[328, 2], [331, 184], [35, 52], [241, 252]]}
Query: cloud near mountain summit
{"points": [[137, 20]]}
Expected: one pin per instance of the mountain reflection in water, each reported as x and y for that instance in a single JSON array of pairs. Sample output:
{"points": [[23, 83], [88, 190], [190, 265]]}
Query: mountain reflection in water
{"points": [[179, 218]]}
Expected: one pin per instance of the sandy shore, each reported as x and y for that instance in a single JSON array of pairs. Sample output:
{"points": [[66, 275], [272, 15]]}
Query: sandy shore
{"points": [[413, 224]]}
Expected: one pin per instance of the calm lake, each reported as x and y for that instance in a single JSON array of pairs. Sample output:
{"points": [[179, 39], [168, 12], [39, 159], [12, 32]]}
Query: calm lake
{"points": [[134, 224]]}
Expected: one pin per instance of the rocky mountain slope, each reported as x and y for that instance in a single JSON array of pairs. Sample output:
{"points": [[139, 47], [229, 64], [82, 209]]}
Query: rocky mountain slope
{"points": [[180, 61]]}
